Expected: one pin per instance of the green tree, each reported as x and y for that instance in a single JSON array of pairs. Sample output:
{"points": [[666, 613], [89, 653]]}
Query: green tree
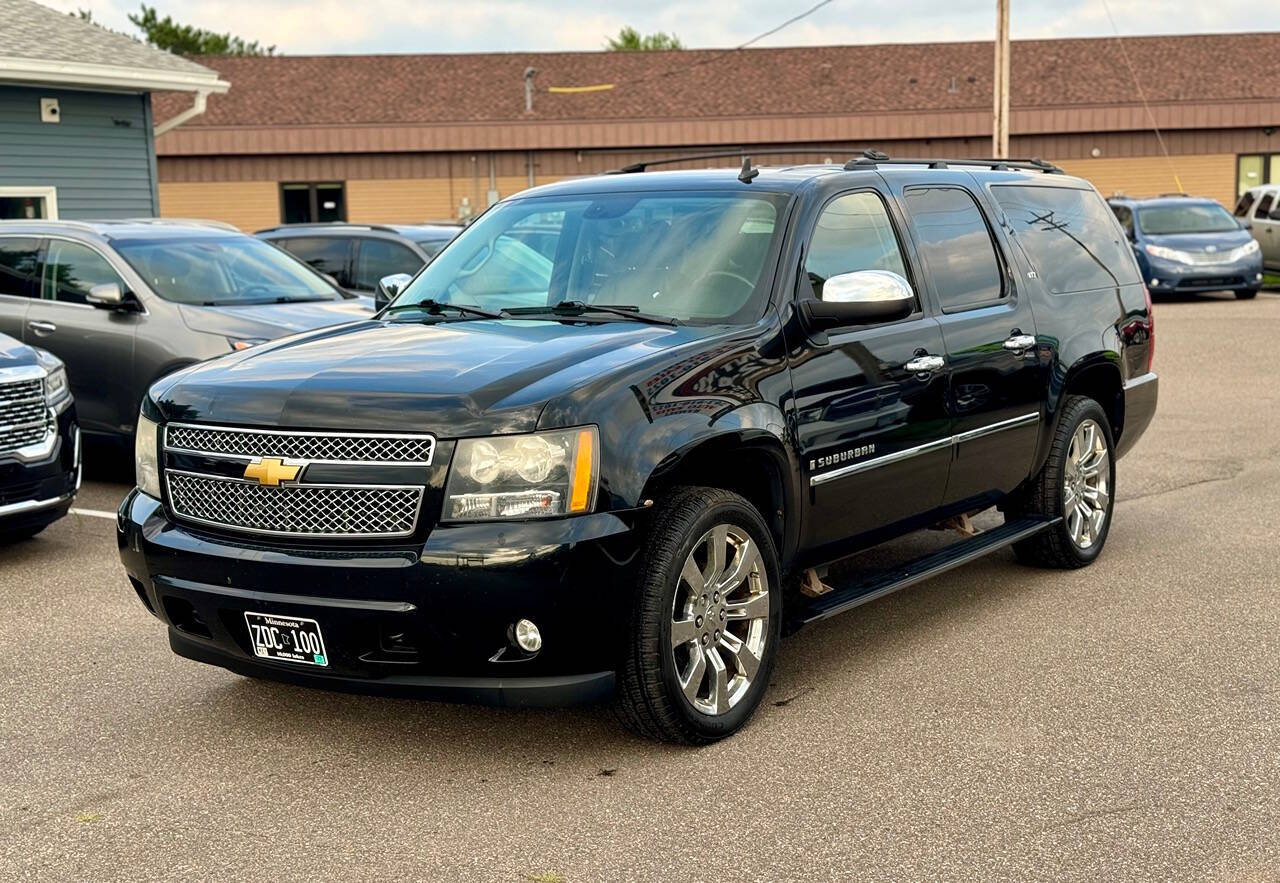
{"points": [[165, 33], [631, 40]]}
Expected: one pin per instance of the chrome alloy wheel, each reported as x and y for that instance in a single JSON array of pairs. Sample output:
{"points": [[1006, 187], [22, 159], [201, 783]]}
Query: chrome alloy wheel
{"points": [[720, 619], [1086, 484]]}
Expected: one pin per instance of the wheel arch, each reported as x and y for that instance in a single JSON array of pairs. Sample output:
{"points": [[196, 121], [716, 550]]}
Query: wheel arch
{"points": [[1096, 377], [753, 463]]}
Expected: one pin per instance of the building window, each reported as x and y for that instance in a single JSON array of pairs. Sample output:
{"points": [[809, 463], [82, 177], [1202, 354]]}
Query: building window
{"points": [[1254, 169], [28, 203], [312, 203]]}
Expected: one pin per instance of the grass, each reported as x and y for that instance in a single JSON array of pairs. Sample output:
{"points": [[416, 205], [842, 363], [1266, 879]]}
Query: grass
{"points": [[1271, 280]]}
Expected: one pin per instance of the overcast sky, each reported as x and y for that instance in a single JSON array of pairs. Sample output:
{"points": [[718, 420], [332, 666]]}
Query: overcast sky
{"points": [[300, 27]]}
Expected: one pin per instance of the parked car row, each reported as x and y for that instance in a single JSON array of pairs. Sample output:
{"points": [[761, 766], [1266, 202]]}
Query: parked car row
{"points": [[1188, 244]]}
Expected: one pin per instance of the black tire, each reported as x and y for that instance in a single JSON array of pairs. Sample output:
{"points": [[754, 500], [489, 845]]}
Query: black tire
{"points": [[649, 700], [1043, 496], [1246, 293]]}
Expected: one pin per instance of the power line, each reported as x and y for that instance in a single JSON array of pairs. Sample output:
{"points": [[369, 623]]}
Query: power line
{"points": [[601, 87], [1133, 72]]}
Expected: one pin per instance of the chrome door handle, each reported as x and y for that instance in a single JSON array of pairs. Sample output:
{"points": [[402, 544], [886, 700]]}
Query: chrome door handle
{"points": [[42, 327], [925, 364], [1020, 342]]}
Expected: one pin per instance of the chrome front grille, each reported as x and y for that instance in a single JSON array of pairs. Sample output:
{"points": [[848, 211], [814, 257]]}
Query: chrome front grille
{"points": [[315, 447], [291, 502], [24, 418], [296, 510]]}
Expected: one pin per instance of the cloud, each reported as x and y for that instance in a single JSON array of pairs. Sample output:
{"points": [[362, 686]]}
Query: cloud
{"points": [[339, 26]]}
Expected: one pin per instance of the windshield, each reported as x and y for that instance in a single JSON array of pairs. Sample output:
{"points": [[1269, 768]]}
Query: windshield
{"points": [[222, 271], [703, 257], [1201, 217]]}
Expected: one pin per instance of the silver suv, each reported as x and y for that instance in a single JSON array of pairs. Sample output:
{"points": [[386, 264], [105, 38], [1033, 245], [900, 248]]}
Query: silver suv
{"points": [[123, 303], [1259, 211]]}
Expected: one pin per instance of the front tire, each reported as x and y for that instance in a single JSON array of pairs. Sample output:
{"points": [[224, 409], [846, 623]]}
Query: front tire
{"points": [[706, 621], [1076, 484]]}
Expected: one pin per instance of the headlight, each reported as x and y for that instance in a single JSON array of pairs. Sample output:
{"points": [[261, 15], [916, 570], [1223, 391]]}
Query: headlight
{"points": [[1169, 254], [1250, 247], [56, 388], [146, 453], [523, 476]]}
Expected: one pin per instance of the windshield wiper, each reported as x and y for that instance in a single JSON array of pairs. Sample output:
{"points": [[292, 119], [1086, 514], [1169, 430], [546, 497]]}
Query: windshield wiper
{"points": [[436, 308], [578, 308]]}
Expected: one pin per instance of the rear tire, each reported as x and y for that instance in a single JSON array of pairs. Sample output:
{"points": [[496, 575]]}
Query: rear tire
{"points": [[1246, 293], [1077, 484], [706, 620]]}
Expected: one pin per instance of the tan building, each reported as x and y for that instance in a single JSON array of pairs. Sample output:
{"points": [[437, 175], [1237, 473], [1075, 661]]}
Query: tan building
{"points": [[411, 138]]}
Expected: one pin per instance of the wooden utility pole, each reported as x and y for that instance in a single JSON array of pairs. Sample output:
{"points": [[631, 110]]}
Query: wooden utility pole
{"points": [[1000, 119]]}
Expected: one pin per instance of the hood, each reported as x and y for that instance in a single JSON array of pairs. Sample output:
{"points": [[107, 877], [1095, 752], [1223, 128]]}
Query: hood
{"points": [[453, 378], [15, 353], [274, 320], [1224, 241]]}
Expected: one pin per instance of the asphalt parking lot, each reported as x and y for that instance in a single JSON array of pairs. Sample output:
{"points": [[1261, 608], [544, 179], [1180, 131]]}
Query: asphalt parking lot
{"points": [[1120, 722]]}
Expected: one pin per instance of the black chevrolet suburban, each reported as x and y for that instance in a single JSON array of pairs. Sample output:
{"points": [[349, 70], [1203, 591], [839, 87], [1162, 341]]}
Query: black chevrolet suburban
{"points": [[619, 464]]}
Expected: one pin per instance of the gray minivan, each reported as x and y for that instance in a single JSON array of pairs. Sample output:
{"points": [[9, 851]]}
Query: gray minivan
{"points": [[123, 303]]}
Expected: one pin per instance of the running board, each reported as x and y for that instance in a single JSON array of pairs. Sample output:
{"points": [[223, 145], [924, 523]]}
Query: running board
{"points": [[847, 597]]}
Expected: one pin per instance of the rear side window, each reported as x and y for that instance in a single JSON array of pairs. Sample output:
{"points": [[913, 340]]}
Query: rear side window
{"points": [[18, 266], [1070, 237], [1264, 206], [328, 254], [71, 269], [955, 243], [381, 257], [853, 233]]}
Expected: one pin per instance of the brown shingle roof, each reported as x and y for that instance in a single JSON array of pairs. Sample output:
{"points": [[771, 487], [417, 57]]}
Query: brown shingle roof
{"points": [[692, 84]]}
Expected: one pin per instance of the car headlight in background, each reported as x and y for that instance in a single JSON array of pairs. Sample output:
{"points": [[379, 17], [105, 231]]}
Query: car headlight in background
{"points": [[146, 453], [539, 475], [1169, 254], [57, 391], [1183, 257]]}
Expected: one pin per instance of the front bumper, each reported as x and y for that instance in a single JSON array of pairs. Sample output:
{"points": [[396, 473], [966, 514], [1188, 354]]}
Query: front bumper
{"points": [[430, 620], [37, 492], [1163, 275]]}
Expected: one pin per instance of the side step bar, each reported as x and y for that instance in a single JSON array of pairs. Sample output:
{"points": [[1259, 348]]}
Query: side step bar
{"points": [[847, 597]]}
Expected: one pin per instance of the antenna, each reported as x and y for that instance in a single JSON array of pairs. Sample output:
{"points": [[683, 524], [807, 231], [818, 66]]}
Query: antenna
{"points": [[748, 174]]}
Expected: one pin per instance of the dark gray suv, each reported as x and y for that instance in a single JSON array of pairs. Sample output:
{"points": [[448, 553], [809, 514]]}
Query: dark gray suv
{"points": [[358, 256], [123, 303]]}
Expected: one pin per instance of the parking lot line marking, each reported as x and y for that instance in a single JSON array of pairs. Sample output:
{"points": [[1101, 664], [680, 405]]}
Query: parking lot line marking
{"points": [[93, 513]]}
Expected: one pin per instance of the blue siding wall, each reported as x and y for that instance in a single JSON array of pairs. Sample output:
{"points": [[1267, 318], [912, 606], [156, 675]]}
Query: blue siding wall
{"points": [[101, 157]]}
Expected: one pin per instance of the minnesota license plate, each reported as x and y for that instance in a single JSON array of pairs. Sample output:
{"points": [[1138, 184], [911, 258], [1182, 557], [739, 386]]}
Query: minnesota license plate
{"points": [[286, 638]]}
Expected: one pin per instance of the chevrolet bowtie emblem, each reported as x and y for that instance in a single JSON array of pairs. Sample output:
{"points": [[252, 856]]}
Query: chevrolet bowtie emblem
{"points": [[271, 471]]}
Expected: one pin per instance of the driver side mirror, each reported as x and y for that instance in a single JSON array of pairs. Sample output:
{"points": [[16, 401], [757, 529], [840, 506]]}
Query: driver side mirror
{"points": [[865, 297], [107, 296], [389, 287]]}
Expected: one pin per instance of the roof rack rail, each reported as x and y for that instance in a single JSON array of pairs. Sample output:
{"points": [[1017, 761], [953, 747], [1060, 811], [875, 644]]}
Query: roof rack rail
{"points": [[186, 222], [735, 154], [870, 159], [383, 228], [78, 225]]}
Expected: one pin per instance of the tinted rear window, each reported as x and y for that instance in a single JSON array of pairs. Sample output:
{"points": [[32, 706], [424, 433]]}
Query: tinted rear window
{"points": [[1070, 236]]}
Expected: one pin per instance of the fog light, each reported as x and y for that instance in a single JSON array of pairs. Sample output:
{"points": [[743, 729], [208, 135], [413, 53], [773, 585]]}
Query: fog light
{"points": [[1257, 277], [528, 636], [1155, 283]]}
